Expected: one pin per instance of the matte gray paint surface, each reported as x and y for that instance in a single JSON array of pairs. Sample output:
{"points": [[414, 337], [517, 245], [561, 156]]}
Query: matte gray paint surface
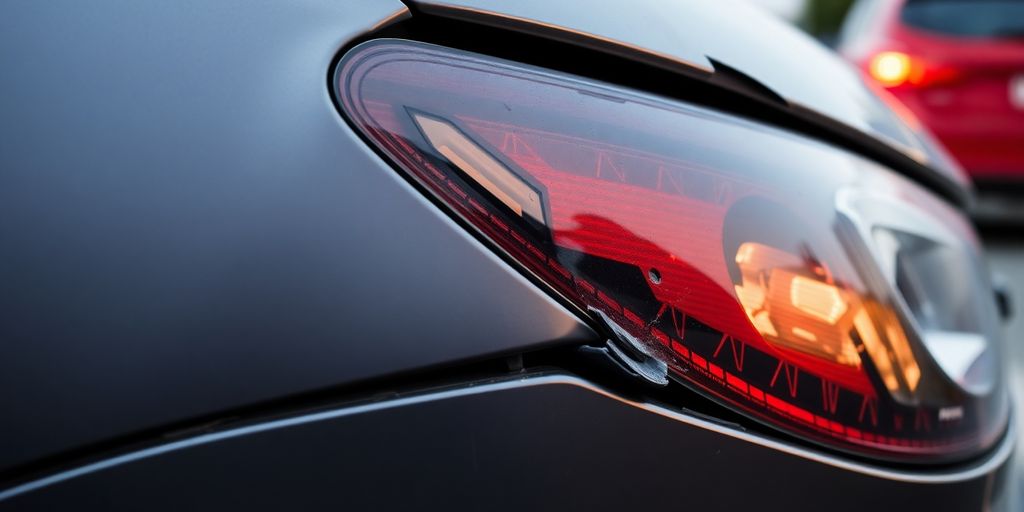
{"points": [[186, 224]]}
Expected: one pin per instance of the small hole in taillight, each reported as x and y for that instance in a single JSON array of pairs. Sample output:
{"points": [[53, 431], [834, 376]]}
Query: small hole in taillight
{"points": [[654, 276]]}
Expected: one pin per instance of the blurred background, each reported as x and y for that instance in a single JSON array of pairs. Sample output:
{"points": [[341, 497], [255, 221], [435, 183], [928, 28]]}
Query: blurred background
{"points": [[958, 65]]}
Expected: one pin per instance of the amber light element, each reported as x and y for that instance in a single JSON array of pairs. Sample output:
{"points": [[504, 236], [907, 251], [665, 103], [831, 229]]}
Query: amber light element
{"points": [[817, 299], [795, 308], [792, 310], [889, 350]]}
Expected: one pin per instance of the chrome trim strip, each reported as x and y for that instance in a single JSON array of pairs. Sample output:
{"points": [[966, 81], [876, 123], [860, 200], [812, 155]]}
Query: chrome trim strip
{"points": [[981, 468]]}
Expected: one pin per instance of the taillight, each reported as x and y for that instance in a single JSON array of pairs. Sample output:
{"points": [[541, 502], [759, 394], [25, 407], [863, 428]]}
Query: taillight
{"points": [[803, 286], [893, 69]]}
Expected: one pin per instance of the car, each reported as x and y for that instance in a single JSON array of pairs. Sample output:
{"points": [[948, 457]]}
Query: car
{"points": [[958, 66], [471, 254]]}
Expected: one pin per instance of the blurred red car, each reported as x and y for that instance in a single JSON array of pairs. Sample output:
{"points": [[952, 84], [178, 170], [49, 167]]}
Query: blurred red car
{"points": [[959, 66]]}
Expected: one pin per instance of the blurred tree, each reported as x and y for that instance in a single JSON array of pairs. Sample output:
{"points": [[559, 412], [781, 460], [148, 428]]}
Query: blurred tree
{"points": [[822, 18]]}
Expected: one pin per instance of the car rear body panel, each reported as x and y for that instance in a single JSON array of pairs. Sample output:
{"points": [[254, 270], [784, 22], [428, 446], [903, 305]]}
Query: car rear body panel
{"points": [[188, 225]]}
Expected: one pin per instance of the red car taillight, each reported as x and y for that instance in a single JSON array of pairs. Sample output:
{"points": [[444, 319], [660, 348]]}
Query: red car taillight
{"points": [[805, 287], [894, 69]]}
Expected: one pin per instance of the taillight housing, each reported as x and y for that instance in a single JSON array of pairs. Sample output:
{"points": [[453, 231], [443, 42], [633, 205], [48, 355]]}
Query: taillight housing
{"points": [[803, 286]]}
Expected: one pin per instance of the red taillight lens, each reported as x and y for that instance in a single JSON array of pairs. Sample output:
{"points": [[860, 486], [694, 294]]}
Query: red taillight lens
{"points": [[798, 284]]}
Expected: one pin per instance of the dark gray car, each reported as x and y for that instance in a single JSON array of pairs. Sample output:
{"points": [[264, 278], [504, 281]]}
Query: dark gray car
{"points": [[473, 254]]}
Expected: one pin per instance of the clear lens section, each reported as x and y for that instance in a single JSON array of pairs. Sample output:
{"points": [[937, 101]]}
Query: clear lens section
{"points": [[803, 286], [926, 261]]}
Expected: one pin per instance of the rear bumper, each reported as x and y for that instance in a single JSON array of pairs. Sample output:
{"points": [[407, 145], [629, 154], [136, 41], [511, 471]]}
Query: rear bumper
{"points": [[537, 441]]}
